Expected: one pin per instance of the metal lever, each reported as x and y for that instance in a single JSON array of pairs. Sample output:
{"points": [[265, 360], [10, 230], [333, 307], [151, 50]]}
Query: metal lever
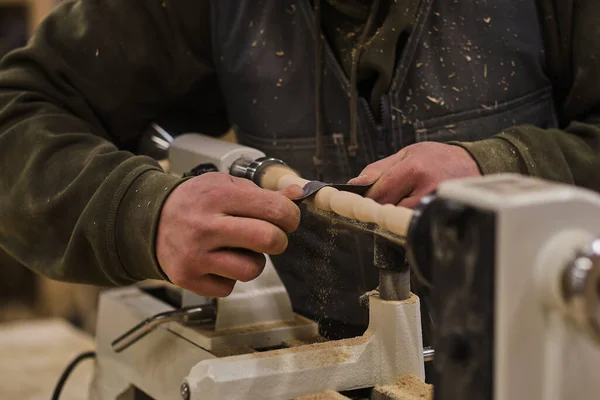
{"points": [[184, 316]]}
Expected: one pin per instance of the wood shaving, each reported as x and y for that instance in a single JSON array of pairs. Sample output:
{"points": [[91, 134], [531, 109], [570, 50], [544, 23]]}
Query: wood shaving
{"points": [[323, 396], [210, 332], [408, 387]]}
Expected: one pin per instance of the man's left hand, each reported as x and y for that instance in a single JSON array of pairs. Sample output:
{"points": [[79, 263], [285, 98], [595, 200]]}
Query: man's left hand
{"points": [[415, 171]]}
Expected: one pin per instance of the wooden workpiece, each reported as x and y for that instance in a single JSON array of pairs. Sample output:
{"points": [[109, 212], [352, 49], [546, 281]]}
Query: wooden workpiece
{"points": [[350, 205]]}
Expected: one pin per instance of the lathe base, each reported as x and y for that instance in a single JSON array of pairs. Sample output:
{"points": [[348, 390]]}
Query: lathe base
{"points": [[157, 364], [269, 364]]}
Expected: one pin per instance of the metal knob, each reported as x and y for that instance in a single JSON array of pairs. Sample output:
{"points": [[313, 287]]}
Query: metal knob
{"points": [[581, 290], [251, 169]]}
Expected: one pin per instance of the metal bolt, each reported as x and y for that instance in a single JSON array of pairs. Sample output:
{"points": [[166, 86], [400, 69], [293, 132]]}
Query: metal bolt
{"points": [[581, 290], [428, 354], [185, 391]]}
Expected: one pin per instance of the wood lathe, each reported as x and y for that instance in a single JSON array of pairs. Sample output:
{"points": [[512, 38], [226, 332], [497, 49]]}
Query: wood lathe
{"points": [[514, 270]]}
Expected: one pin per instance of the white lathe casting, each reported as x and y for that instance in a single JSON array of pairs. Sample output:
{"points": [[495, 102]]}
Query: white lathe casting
{"points": [[516, 287]]}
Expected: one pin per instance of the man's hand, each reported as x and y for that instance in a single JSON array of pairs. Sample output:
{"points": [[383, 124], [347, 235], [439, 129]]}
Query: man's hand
{"points": [[214, 228], [415, 171]]}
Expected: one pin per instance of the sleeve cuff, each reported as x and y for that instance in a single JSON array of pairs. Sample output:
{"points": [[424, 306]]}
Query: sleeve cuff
{"points": [[136, 223], [494, 155]]}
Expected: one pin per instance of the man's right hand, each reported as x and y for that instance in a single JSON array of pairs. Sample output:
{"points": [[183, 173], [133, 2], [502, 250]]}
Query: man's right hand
{"points": [[214, 229]]}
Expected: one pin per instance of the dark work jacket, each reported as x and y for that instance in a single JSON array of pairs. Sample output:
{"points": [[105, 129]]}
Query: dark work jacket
{"points": [[469, 70]]}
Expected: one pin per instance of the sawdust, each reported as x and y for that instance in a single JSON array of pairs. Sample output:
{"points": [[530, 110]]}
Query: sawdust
{"points": [[232, 351], [324, 290], [210, 332], [409, 387], [329, 395], [318, 264], [304, 342], [412, 299], [365, 299], [329, 353]]}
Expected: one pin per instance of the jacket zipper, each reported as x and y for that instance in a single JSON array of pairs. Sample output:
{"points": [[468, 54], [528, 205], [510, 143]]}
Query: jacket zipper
{"points": [[379, 131]]}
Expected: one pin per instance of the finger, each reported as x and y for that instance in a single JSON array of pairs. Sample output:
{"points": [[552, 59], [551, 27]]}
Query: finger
{"points": [[247, 233], [242, 181], [265, 205], [364, 179], [374, 171], [239, 265], [394, 185], [292, 192], [410, 202], [211, 286]]}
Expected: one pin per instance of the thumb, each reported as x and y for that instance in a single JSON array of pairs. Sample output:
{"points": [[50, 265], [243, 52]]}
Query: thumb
{"points": [[374, 171]]}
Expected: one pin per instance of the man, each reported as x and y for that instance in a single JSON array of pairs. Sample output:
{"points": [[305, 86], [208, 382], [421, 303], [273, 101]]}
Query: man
{"points": [[433, 89]]}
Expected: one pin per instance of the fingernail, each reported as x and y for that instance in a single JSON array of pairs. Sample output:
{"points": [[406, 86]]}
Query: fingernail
{"points": [[360, 178]]}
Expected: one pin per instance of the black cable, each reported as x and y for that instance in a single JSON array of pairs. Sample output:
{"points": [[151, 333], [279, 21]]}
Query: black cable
{"points": [[65, 375]]}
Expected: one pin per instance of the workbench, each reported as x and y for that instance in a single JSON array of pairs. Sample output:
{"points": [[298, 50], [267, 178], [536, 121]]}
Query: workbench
{"points": [[34, 354]]}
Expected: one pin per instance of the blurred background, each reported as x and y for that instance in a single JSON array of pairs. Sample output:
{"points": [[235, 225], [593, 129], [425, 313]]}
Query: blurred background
{"points": [[24, 295]]}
